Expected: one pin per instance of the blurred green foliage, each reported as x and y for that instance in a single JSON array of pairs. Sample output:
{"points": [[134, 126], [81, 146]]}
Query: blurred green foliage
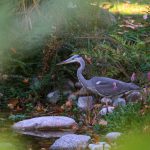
{"points": [[133, 141]]}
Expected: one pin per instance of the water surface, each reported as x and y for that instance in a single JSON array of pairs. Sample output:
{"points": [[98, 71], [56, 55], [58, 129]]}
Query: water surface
{"points": [[10, 140]]}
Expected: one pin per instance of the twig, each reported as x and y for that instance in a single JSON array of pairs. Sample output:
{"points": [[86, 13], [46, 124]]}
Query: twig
{"points": [[6, 77]]}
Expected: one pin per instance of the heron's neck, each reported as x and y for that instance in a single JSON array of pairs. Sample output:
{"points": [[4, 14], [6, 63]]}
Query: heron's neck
{"points": [[81, 79]]}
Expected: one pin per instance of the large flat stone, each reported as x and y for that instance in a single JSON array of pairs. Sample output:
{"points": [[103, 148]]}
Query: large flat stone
{"points": [[46, 123], [71, 142]]}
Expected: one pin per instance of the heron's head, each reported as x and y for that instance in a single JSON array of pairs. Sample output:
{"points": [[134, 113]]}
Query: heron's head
{"points": [[75, 58]]}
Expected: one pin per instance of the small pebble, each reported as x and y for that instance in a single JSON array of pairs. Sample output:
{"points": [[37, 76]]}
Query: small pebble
{"points": [[72, 97], [99, 146], [119, 102], [85, 102], [106, 110], [106, 100], [112, 136]]}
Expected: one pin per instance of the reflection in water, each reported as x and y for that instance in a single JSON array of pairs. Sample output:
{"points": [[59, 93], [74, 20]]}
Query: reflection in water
{"points": [[9, 140], [46, 134]]}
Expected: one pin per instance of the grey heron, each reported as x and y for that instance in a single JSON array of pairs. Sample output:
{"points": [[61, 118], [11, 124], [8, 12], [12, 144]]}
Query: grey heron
{"points": [[102, 86]]}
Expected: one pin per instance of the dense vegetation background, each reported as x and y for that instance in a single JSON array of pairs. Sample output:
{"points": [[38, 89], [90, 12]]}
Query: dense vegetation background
{"points": [[37, 34], [113, 37]]}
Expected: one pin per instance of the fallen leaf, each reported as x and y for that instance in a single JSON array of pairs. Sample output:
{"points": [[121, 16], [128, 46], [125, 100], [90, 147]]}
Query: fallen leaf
{"points": [[133, 77], [145, 17], [148, 76], [12, 103], [26, 81], [69, 103], [63, 107], [103, 122], [96, 138], [75, 127], [39, 107], [10, 106], [18, 108], [97, 106], [130, 24], [88, 59]]}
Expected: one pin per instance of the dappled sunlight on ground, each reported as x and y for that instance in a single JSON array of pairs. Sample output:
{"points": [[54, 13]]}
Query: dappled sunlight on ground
{"points": [[126, 8], [129, 9]]}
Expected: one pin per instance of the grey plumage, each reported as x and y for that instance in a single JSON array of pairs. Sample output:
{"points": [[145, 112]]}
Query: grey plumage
{"points": [[106, 86], [103, 86]]}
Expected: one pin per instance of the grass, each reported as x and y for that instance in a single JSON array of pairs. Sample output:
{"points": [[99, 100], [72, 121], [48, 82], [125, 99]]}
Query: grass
{"points": [[132, 118], [126, 118], [134, 141]]}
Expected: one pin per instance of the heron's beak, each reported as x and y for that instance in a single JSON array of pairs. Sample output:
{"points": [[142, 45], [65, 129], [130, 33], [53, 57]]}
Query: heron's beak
{"points": [[62, 63], [65, 62]]}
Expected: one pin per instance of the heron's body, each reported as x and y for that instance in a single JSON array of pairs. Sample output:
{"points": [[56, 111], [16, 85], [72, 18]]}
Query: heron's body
{"points": [[103, 86]]}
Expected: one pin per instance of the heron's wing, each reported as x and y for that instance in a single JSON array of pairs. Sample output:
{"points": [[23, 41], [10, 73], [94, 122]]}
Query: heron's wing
{"points": [[111, 87]]}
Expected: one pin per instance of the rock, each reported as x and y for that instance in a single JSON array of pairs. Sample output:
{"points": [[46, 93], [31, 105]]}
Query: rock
{"points": [[53, 97], [112, 136], [106, 110], [67, 93], [99, 146], [35, 84], [85, 103], [1, 95], [119, 102], [106, 100], [72, 97], [71, 84], [68, 85], [134, 97], [71, 142], [78, 85], [48, 123], [103, 111], [105, 19]]}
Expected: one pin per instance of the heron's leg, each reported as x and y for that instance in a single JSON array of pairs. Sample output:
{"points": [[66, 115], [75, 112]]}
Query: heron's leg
{"points": [[114, 98]]}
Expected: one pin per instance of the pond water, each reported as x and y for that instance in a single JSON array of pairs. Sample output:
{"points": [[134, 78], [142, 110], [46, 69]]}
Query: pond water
{"points": [[15, 141]]}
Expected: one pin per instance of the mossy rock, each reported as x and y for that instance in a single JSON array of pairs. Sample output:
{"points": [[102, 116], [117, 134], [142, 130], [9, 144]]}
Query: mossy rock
{"points": [[105, 19]]}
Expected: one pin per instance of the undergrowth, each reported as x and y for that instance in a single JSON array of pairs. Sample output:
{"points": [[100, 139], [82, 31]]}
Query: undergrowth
{"points": [[132, 117], [116, 52]]}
